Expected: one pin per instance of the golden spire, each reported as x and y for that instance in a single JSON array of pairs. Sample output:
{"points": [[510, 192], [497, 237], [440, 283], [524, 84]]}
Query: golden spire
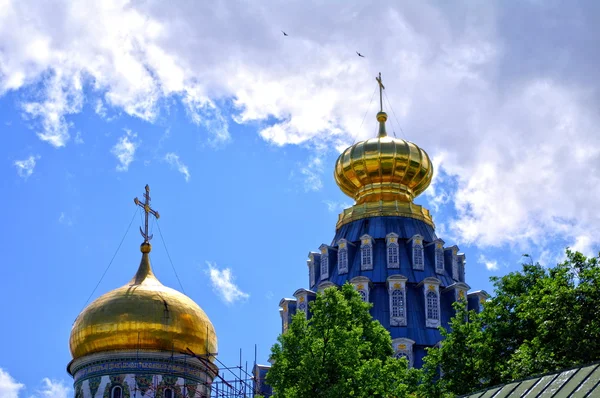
{"points": [[146, 247], [381, 115]]}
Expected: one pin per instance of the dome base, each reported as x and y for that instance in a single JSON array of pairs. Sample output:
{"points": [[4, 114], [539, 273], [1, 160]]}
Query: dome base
{"points": [[384, 208]]}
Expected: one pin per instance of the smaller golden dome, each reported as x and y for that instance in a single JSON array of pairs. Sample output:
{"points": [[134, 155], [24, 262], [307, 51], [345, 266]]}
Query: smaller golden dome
{"points": [[383, 168], [143, 315], [383, 175]]}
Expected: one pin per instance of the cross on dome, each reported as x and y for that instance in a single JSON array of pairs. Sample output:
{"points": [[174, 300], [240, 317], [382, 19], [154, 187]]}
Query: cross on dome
{"points": [[147, 210]]}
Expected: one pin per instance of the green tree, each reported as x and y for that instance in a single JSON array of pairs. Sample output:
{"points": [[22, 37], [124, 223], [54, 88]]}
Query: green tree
{"points": [[539, 320], [340, 352]]}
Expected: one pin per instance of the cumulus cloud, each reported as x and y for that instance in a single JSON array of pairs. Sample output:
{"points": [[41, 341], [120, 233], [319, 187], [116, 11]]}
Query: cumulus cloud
{"points": [[53, 389], [312, 172], [25, 167], [223, 284], [175, 162], [9, 387], [124, 150], [514, 113], [491, 265]]}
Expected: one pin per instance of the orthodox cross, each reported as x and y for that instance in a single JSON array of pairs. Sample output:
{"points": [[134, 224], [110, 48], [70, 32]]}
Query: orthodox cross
{"points": [[381, 88], [147, 210]]}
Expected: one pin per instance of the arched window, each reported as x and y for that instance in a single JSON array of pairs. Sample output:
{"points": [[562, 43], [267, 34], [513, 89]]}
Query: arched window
{"points": [[363, 294], [398, 303], [418, 262], [402, 354], [439, 258], [117, 392], [343, 260], [393, 255], [324, 265], [367, 257], [433, 312], [168, 393]]}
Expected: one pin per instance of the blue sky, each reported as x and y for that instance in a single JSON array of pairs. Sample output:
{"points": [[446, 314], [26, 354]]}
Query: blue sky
{"points": [[236, 129]]}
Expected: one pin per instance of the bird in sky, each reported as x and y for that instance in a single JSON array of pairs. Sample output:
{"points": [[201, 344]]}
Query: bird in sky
{"points": [[359, 54], [285, 34]]}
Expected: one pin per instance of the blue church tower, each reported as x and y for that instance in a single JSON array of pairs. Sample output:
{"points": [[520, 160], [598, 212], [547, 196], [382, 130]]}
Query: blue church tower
{"points": [[386, 246]]}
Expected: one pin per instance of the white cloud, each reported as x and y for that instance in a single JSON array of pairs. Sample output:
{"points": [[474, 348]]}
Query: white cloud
{"points": [[53, 389], [174, 161], [223, 284], [491, 265], [312, 173], [513, 113], [124, 150], [78, 140], [336, 207], [9, 388], [586, 245], [25, 167]]}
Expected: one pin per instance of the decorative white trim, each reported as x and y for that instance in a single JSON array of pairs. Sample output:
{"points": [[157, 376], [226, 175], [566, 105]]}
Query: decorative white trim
{"points": [[302, 300], [362, 284], [462, 261], [392, 250], [439, 256], [403, 347], [324, 285], [366, 253], [454, 260], [418, 255], [431, 298], [286, 312], [324, 249], [342, 257], [396, 285], [312, 272]]}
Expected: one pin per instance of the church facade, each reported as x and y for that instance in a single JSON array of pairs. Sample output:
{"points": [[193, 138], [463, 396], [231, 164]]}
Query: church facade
{"points": [[386, 246]]}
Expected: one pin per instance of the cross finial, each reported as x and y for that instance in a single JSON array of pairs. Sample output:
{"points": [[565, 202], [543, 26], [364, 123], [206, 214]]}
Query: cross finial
{"points": [[147, 210], [381, 88]]}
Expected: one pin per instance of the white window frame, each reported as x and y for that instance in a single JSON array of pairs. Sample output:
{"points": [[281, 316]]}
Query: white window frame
{"points": [[324, 261], [417, 251], [439, 256], [342, 262], [311, 269], [366, 243], [454, 261], [404, 347], [392, 243], [431, 285], [397, 283], [362, 285]]}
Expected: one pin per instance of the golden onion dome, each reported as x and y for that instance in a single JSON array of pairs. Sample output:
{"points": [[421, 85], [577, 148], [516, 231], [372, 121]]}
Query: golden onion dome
{"points": [[383, 175], [143, 315]]}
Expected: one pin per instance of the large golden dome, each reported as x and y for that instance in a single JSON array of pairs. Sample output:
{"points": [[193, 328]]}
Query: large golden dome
{"points": [[383, 175], [143, 315]]}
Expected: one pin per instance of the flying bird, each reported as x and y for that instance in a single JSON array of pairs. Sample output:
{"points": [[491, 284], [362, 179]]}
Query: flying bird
{"points": [[359, 54], [285, 34]]}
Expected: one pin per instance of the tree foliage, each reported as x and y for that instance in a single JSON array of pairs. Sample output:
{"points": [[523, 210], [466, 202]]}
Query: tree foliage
{"points": [[339, 352], [540, 320]]}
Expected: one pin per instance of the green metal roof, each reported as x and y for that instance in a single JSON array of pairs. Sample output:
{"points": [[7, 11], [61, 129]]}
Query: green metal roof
{"points": [[580, 382]]}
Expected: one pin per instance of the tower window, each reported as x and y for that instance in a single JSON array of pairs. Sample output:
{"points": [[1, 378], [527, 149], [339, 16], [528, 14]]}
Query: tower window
{"points": [[418, 262], [393, 255], [343, 261], [454, 265], [366, 259], [117, 392], [398, 308], [433, 311], [363, 295], [439, 258], [168, 393], [324, 264]]}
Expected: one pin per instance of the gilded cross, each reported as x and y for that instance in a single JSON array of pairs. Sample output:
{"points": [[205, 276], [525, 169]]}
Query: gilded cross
{"points": [[381, 88], [147, 210]]}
